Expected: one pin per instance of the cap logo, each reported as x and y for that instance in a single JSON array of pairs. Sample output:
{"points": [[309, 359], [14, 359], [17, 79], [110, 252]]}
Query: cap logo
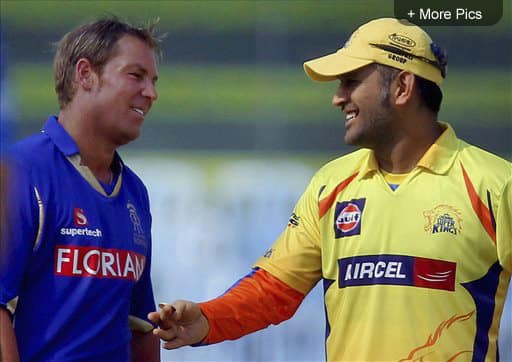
{"points": [[402, 40]]}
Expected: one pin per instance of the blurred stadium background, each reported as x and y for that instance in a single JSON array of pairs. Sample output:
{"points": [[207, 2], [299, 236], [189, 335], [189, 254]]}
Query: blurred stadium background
{"points": [[239, 130]]}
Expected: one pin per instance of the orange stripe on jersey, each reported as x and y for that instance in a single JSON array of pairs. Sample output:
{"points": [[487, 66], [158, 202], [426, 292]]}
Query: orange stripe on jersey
{"points": [[325, 204], [479, 207], [256, 301]]}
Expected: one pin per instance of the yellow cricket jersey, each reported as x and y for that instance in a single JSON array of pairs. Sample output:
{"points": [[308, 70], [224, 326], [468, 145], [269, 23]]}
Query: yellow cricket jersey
{"points": [[416, 274]]}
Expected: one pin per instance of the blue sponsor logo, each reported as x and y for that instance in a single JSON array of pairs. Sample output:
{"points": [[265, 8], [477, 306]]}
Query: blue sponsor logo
{"points": [[376, 269]]}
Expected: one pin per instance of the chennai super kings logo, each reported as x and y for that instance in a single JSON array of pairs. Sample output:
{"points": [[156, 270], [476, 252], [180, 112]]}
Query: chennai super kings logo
{"points": [[443, 219]]}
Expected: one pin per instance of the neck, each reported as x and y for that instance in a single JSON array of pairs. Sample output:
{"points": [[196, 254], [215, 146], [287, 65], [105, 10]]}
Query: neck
{"points": [[409, 146], [95, 153]]}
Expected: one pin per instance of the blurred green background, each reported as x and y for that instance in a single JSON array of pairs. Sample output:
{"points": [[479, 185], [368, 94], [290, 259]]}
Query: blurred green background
{"points": [[239, 129], [231, 78]]}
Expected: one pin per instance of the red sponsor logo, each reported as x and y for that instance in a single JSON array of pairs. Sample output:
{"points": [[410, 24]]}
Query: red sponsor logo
{"points": [[83, 261], [434, 274], [79, 218]]}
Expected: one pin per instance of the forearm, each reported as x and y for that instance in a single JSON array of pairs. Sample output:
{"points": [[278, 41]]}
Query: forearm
{"points": [[8, 345], [145, 347], [255, 302]]}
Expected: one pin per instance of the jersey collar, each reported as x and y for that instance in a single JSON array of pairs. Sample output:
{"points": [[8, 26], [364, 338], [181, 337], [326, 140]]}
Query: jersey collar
{"points": [[65, 143], [60, 137], [370, 165], [438, 158]]}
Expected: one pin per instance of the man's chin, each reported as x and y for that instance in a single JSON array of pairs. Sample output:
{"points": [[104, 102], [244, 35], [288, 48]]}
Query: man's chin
{"points": [[356, 142], [128, 137], [351, 140]]}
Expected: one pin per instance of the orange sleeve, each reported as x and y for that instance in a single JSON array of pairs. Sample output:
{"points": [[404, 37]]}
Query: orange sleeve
{"points": [[253, 303]]}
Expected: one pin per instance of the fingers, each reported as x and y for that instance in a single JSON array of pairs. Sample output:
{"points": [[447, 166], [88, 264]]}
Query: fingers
{"points": [[180, 310], [179, 324], [165, 334], [165, 305], [154, 317], [169, 337], [164, 318], [175, 343], [167, 315]]}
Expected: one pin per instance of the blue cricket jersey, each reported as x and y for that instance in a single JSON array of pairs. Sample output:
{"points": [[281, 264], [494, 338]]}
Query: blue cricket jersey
{"points": [[77, 270]]}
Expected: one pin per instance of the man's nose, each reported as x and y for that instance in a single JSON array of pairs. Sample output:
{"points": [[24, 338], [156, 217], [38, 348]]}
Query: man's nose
{"points": [[339, 99], [150, 91]]}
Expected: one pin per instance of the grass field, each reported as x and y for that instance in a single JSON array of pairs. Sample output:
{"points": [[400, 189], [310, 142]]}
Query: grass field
{"points": [[246, 93], [213, 16]]}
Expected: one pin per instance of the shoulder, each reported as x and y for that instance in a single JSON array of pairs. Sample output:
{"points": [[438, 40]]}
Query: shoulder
{"points": [[134, 182], [483, 166], [484, 159], [132, 177], [339, 171], [31, 152], [484, 172], [344, 166]]}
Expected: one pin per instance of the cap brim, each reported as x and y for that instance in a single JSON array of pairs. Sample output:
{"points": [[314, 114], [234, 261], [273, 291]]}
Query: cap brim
{"points": [[329, 67]]}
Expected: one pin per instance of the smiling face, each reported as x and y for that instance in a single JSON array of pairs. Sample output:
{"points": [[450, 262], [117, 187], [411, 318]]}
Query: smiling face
{"points": [[365, 102], [124, 91]]}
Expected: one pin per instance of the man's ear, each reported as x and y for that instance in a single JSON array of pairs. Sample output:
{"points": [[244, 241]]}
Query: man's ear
{"points": [[84, 74], [404, 91]]}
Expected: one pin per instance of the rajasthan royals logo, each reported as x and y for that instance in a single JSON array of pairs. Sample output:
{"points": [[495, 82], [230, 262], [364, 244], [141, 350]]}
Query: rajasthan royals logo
{"points": [[443, 219], [138, 233], [347, 218]]}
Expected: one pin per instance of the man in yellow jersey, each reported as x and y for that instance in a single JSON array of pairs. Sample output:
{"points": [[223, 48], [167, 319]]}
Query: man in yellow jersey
{"points": [[410, 235]]}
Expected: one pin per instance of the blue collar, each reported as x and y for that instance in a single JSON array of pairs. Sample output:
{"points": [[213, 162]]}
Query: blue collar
{"points": [[60, 137], [66, 144]]}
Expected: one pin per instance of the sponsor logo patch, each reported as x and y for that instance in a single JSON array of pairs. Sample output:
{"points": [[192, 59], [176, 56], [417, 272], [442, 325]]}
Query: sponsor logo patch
{"points": [[79, 218], [402, 40], [95, 233], [443, 219], [396, 270], [80, 261], [347, 217], [294, 220], [80, 222]]}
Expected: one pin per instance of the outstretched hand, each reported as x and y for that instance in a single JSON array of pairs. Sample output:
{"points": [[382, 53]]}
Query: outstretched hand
{"points": [[179, 324]]}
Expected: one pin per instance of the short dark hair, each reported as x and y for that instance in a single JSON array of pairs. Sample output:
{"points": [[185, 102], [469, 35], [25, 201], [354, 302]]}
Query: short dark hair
{"points": [[429, 92], [387, 75], [96, 42]]}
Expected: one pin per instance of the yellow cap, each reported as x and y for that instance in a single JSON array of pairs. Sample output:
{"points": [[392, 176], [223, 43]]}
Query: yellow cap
{"points": [[396, 43]]}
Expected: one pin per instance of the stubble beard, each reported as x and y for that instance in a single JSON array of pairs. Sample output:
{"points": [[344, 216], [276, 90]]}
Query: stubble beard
{"points": [[374, 131]]}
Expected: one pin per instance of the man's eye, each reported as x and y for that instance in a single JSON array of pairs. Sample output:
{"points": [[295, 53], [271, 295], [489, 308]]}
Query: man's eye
{"points": [[136, 75]]}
